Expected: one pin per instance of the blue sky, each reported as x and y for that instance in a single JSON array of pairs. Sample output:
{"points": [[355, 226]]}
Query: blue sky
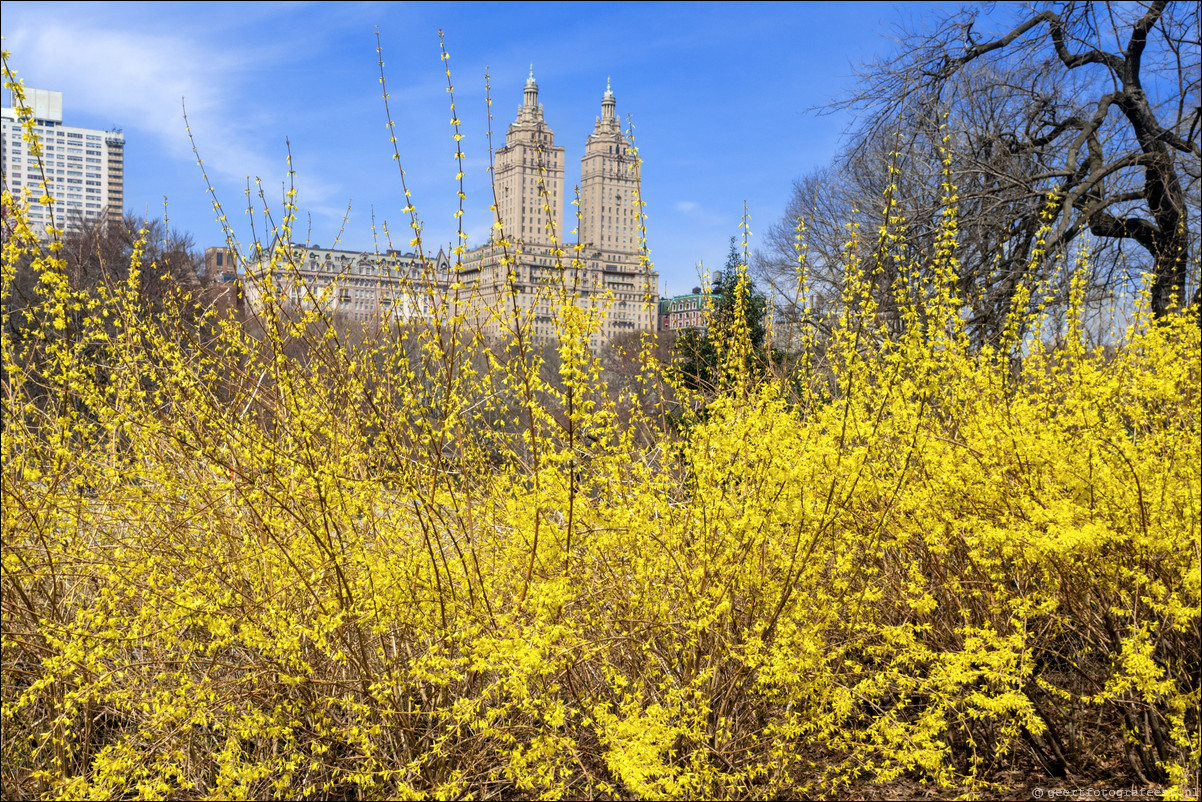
{"points": [[721, 96]]}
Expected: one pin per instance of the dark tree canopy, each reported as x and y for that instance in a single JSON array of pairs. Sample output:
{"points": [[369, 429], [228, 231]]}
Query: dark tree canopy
{"points": [[97, 253], [738, 312]]}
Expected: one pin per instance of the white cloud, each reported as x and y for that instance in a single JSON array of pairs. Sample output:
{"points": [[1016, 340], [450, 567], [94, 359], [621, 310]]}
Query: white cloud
{"points": [[139, 79]]}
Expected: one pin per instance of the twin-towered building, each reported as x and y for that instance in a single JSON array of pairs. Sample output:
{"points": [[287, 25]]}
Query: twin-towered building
{"points": [[528, 177], [532, 251]]}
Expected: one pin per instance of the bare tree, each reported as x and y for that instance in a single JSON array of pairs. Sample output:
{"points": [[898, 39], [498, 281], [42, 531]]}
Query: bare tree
{"points": [[824, 200], [1086, 113], [96, 250]]}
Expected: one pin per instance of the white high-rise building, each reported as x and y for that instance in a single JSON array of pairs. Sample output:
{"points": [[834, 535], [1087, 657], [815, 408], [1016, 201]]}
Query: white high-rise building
{"points": [[83, 168]]}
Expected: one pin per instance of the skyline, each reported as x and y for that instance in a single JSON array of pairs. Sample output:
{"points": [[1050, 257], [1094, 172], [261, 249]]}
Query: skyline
{"points": [[719, 119]]}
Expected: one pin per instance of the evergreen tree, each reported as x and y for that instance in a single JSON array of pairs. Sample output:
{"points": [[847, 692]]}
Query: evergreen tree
{"points": [[736, 320]]}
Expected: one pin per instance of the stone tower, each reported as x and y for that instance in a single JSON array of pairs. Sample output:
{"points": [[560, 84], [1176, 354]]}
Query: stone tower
{"points": [[528, 176], [608, 183]]}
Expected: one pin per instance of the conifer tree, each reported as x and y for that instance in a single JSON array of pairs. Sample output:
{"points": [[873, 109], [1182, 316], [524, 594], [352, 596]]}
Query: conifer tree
{"points": [[701, 351]]}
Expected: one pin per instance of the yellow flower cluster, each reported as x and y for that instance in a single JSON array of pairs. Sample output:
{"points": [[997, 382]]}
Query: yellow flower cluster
{"points": [[249, 558]]}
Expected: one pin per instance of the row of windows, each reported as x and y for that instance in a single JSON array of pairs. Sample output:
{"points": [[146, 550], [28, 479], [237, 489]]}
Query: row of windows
{"points": [[94, 140], [33, 165], [72, 154], [93, 186]]}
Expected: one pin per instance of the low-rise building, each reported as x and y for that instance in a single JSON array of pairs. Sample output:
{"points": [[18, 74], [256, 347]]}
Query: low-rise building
{"points": [[221, 265], [357, 285], [690, 311]]}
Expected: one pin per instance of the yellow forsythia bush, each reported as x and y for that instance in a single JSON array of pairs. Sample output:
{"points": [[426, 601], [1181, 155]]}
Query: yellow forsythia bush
{"points": [[257, 558]]}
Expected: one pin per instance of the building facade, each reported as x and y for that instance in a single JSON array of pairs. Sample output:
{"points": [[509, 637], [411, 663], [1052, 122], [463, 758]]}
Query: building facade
{"points": [[527, 262], [692, 311], [528, 176], [221, 264], [83, 169], [359, 286], [609, 185], [524, 272]]}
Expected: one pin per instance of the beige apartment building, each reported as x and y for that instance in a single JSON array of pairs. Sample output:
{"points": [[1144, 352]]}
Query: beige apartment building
{"points": [[528, 262], [525, 270], [359, 286]]}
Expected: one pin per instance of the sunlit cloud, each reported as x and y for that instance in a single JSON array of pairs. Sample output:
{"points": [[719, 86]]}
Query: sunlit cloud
{"points": [[144, 80]]}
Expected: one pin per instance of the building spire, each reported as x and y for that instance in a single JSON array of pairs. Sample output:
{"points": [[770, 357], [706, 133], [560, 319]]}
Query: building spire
{"points": [[531, 94], [608, 104]]}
